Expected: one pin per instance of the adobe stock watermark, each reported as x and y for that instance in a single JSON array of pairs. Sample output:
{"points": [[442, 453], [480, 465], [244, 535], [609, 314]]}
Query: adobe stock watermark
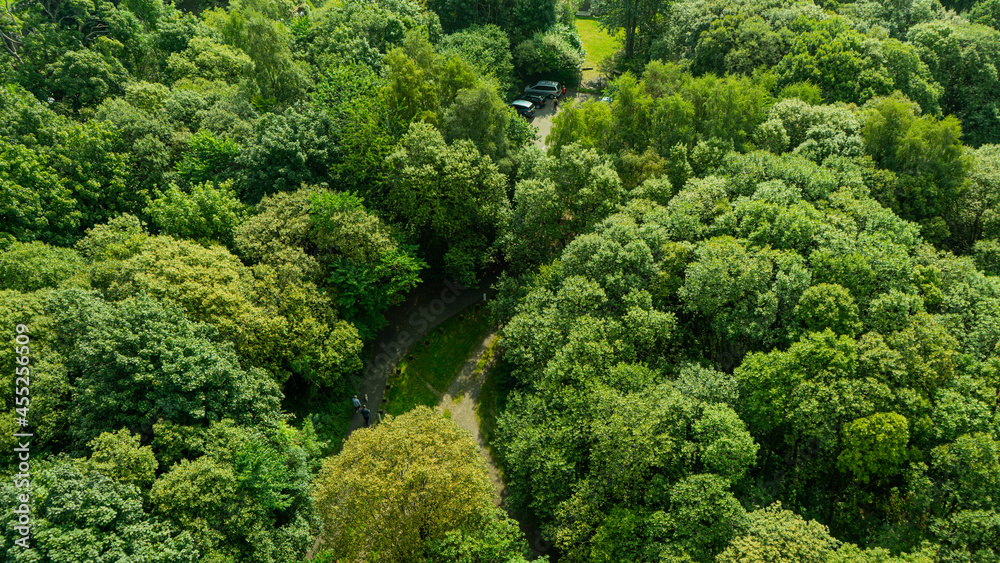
{"points": [[426, 316], [22, 452]]}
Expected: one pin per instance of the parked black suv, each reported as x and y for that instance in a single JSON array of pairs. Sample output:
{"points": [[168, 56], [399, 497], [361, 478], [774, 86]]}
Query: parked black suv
{"points": [[539, 101], [523, 107]]}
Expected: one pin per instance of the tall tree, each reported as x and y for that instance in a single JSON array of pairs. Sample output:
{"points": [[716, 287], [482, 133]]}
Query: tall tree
{"points": [[409, 480]]}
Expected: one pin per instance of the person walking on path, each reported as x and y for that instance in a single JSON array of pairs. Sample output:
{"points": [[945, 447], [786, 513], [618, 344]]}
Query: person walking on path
{"points": [[365, 412], [357, 404]]}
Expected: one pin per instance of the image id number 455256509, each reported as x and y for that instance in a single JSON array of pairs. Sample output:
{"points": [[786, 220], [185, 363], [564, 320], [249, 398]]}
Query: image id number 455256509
{"points": [[22, 439]]}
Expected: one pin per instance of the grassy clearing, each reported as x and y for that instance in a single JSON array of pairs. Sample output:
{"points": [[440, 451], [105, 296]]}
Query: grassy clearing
{"points": [[437, 359], [598, 43]]}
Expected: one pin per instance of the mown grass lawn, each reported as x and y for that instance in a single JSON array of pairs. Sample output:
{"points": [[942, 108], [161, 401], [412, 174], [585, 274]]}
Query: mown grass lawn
{"points": [[437, 359], [598, 43]]}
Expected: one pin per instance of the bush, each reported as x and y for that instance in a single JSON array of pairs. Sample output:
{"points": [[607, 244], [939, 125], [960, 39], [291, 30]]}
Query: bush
{"points": [[556, 54]]}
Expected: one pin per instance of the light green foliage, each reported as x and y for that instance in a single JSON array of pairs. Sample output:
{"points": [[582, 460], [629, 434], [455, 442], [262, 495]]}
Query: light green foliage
{"points": [[59, 177], [780, 536], [119, 456], [48, 379], [704, 516], [486, 48], [30, 266], [850, 553], [852, 67], [208, 59], [894, 17], [409, 480], [743, 292], [355, 33], [668, 108], [634, 477], [740, 43], [79, 514], [449, 92], [258, 310], [37, 204], [479, 115], [771, 384], [805, 91], [874, 446], [707, 385], [118, 239], [259, 29], [500, 542], [209, 157], [410, 92], [451, 199], [588, 123], [207, 214], [815, 132], [828, 306], [332, 240]]}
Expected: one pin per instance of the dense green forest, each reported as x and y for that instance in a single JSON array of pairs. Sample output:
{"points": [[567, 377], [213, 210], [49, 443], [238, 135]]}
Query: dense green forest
{"points": [[747, 295]]}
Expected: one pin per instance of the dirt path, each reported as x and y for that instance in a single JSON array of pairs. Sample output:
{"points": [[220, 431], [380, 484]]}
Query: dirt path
{"points": [[461, 401], [424, 309], [462, 398]]}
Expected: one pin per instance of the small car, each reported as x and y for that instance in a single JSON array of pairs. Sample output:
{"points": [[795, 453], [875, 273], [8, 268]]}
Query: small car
{"points": [[524, 107], [546, 89], [537, 100]]}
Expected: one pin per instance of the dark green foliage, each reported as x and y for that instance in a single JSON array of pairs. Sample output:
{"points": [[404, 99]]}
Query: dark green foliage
{"points": [[963, 58], [929, 158], [487, 48], [519, 19], [450, 199], [365, 267], [288, 149], [554, 54], [138, 362], [749, 301]]}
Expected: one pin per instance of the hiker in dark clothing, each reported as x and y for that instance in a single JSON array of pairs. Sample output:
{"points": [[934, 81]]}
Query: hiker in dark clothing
{"points": [[365, 412]]}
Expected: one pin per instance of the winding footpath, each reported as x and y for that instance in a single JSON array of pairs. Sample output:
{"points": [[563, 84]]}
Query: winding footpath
{"points": [[424, 309], [462, 398]]}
